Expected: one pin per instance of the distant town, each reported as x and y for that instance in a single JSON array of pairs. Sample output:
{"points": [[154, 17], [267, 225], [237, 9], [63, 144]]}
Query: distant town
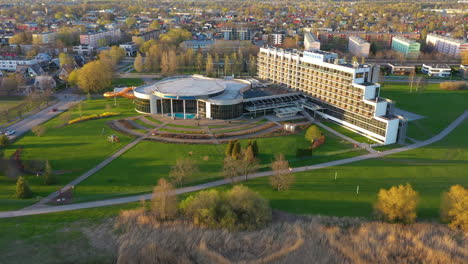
{"points": [[150, 131]]}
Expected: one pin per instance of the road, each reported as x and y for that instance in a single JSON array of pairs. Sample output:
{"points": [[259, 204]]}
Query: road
{"points": [[65, 101], [69, 207]]}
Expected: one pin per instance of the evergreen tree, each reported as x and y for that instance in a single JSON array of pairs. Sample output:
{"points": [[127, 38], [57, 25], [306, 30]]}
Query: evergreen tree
{"points": [[22, 188], [236, 150], [229, 148], [255, 148], [49, 177]]}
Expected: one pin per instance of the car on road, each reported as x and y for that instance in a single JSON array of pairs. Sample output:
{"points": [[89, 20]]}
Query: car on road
{"points": [[54, 109], [7, 132]]}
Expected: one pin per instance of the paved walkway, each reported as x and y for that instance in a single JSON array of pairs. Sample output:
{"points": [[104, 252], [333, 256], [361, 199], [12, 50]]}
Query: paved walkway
{"points": [[65, 101], [69, 207]]}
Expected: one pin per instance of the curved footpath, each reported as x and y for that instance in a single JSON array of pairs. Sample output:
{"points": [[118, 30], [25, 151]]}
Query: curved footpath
{"points": [[69, 207]]}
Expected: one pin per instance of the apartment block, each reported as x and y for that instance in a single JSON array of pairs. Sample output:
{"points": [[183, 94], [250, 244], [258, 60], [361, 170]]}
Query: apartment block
{"points": [[450, 46], [11, 64], [347, 94], [407, 47], [358, 47], [101, 38], [311, 43], [153, 34], [44, 38], [276, 39], [232, 33]]}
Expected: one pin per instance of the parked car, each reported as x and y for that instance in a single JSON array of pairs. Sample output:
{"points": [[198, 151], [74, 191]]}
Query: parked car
{"points": [[8, 132]]}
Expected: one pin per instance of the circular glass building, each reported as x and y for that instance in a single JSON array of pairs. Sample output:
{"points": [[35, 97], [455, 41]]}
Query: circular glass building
{"points": [[190, 96]]}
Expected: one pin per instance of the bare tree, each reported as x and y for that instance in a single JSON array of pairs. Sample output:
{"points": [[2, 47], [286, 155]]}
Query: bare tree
{"points": [[282, 179], [231, 168], [184, 168], [249, 162], [164, 201]]}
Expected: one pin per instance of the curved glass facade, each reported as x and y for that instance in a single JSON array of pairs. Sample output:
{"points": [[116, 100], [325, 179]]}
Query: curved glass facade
{"points": [[142, 105], [226, 111]]}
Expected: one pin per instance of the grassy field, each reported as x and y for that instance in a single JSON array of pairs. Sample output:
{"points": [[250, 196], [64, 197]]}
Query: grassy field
{"points": [[57, 237], [7, 102], [71, 150], [440, 107], [348, 133], [127, 82], [138, 170], [431, 170]]}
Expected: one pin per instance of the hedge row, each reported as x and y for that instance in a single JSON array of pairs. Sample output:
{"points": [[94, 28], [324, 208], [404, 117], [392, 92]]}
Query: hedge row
{"points": [[91, 117]]}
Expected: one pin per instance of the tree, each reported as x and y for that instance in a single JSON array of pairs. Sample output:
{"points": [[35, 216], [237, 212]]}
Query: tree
{"points": [[227, 65], [155, 25], [250, 162], [138, 63], [250, 210], [199, 60], [454, 207], [184, 168], [282, 179], [65, 117], [231, 168], [65, 59], [236, 150], [4, 141], [22, 189], [38, 130], [204, 208], [49, 176], [289, 43], [397, 204], [252, 65], [313, 133], [89, 81], [164, 201], [229, 148], [130, 21], [209, 65], [464, 58]]}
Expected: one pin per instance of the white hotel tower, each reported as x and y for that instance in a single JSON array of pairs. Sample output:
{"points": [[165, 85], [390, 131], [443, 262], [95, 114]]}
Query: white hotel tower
{"points": [[346, 94]]}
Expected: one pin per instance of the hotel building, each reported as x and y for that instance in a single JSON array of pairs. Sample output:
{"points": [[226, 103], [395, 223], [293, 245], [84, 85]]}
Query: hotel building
{"points": [[344, 93], [446, 45]]}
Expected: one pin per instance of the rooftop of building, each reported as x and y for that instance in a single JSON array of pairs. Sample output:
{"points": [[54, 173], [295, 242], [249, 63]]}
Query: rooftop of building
{"points": [[195, 86], [448, 38], [437, 66], [403, 39], [358, 40]]}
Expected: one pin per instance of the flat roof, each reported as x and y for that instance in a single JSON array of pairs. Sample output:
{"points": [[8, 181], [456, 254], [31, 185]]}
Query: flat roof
{"points": [[194, 86]]}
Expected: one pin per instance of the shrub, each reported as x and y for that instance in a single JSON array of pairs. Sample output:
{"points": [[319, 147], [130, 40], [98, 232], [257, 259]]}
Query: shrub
{"points": [[318, 142], [4, 141], [313, 133], [397, 204], [238, 208], [454, 208], [164, 201], [22, 188], [49, 177], [91, 117], [282, 179], [38, 130], [454, 85]]}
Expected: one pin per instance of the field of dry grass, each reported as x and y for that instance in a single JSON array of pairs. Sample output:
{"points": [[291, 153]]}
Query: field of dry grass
{"points": [[289, 239]]}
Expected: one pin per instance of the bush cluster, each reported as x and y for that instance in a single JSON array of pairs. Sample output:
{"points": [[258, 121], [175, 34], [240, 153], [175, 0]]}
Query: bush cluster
{"points": [[238, 208], [91, 117], [454, 85]]}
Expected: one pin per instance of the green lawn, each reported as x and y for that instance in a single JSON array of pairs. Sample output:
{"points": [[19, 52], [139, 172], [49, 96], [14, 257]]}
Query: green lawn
{"points": [[431, 170], [56, 237], [7, 102], [138, 170], [71, 150], [127, 82], [348, 133], [440, 107]]}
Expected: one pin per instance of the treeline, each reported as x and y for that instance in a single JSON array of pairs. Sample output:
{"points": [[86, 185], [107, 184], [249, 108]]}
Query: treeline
{"points": [[168, 57]]}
